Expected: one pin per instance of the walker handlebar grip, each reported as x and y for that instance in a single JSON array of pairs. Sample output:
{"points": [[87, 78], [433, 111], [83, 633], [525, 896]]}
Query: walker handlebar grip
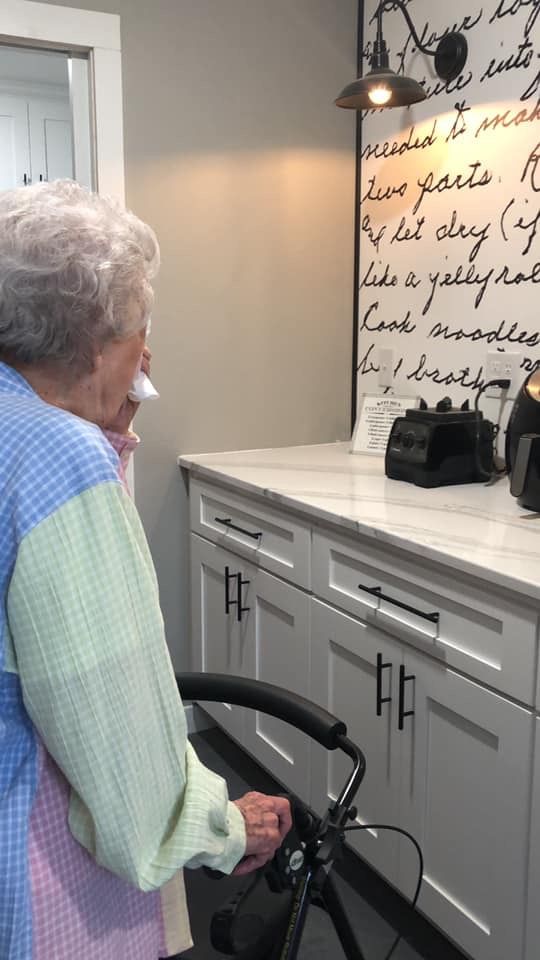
{"points": [[256, 695]]}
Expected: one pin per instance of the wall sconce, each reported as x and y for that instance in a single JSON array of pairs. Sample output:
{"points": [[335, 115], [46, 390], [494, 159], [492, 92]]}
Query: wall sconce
{"points": [[382, 87]]}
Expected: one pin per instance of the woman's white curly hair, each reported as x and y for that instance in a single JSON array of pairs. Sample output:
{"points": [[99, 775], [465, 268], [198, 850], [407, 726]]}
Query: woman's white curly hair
{"points": [[71, 265]]}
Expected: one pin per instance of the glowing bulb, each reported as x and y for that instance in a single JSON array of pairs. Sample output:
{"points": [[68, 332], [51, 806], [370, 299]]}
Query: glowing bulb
{"points": [[379, 95]]}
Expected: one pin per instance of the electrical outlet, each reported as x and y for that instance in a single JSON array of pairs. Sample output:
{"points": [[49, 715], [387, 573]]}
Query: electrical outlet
{"points": [[502, 365], [386, 366]]}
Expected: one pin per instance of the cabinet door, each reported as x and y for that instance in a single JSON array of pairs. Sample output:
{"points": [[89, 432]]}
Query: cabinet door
{"points": [[466, 771], [344, 681], [219, 639], [533, 913], [278, 652], [50, 139], [14, 142]]}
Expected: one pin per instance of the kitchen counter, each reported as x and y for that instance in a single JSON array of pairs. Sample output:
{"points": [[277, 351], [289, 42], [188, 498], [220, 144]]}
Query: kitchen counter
{"points": [[472, 528]]}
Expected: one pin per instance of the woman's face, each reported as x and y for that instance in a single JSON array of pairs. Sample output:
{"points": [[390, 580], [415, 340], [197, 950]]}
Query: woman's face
{"points": [[115, 367], [120, 360]]}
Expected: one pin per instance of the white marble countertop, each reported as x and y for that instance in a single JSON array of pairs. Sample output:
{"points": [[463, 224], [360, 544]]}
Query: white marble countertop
{"points": [[474, 528]]}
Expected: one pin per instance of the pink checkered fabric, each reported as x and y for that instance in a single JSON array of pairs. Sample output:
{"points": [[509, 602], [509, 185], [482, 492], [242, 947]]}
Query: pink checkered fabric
{"points": [[81, 910]]}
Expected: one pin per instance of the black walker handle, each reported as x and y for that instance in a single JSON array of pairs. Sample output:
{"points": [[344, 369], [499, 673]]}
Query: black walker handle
{"points": [[256, 695]]}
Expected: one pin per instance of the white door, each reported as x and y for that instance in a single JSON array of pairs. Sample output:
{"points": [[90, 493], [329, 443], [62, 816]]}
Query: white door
{"points": [[219, 638], [278, 652], [533, 896], [50, 139], [465, 797], [14, 142], [351, 664]]}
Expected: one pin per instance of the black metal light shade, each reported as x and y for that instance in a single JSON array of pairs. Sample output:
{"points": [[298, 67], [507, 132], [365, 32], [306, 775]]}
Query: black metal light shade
{"points": [[382, 87]]}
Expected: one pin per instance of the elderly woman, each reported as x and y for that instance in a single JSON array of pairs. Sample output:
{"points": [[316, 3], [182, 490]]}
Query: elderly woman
{"points": [[102, 798]]}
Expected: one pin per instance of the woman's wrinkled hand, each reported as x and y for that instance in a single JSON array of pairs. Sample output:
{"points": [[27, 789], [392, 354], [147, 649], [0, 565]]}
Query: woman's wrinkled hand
{"points": [[129, 408], [267, 820]]}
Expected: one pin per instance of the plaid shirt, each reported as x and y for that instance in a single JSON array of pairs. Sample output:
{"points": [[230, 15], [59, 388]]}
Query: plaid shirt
{"points": [[102, 798]]}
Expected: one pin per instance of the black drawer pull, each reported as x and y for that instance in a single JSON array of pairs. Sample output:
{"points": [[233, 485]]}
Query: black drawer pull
{"points": [[380, 699], [403, 679], [377, 592], [227, 522]]}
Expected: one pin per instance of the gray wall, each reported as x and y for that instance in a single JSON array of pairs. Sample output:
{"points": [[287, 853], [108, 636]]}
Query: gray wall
{"points": [[237, 157]]}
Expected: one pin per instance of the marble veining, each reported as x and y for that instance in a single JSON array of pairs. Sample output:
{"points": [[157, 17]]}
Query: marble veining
{"points": [[475, 528]]}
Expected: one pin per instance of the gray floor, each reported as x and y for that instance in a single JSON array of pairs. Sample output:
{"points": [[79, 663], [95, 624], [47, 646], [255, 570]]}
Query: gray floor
{"points": [[319, 942]]}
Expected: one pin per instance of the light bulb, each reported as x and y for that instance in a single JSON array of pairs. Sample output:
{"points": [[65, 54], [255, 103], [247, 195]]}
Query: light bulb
{"points": [[380, 95]]}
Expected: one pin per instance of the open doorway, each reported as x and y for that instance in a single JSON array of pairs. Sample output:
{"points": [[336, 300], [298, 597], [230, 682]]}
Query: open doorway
{"points": [[45, 131]]}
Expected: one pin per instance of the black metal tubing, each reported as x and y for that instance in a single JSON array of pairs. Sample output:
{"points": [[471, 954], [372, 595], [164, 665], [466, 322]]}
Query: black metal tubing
{"points": [[227, 522], [380, 699], [389, 5], [377, 592], [402, 713], [256, 695], [357, 222]]}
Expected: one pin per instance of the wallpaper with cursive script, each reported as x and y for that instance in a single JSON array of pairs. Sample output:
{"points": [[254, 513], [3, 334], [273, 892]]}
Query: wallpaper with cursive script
{"points": [[450, 204]]}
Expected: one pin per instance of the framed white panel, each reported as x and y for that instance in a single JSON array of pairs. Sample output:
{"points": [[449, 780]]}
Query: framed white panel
{"points": [[39, 24]]}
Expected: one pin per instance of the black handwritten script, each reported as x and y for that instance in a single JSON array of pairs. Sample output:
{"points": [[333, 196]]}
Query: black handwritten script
{"points": [[475, 176], [449, 219]]}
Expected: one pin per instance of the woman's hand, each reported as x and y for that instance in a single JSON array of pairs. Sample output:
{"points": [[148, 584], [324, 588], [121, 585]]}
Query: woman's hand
{"points": [[268, 821], [122, 420]]}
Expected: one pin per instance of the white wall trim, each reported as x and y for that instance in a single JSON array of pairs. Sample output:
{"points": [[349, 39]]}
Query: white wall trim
{"points": [[53, 25]]}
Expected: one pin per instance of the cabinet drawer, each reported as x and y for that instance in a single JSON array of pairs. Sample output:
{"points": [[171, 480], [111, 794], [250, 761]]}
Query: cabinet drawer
{"points": [[464, 623], [276, 542]]}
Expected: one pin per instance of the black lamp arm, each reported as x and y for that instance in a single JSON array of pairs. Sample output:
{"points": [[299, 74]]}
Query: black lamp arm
{"points": [[391, 4]]}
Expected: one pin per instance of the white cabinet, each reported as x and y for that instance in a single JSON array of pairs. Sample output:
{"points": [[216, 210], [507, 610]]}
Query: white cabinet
{"points": [[35, 140], [278, 652], [533, 900], [278, 542], [466, 779], [247, 622], [476, 630], [344, 655], [14, 142], [219, 638], [436, 677], [49, 124], [456, 776]]}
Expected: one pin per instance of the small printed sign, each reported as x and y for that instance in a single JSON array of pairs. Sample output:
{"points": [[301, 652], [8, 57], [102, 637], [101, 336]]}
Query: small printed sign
{"points": [[374, 422]]}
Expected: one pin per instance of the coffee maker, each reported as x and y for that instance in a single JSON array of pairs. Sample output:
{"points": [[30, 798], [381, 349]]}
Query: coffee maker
{"points": [[522, 448]]}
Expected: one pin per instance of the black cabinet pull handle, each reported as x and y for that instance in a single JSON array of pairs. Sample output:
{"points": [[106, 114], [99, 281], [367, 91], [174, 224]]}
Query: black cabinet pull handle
{"points": [[228, 602], [380, 699], [377, 592], [403, 679], [238, 602], [239, 608], [227, 522]]}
